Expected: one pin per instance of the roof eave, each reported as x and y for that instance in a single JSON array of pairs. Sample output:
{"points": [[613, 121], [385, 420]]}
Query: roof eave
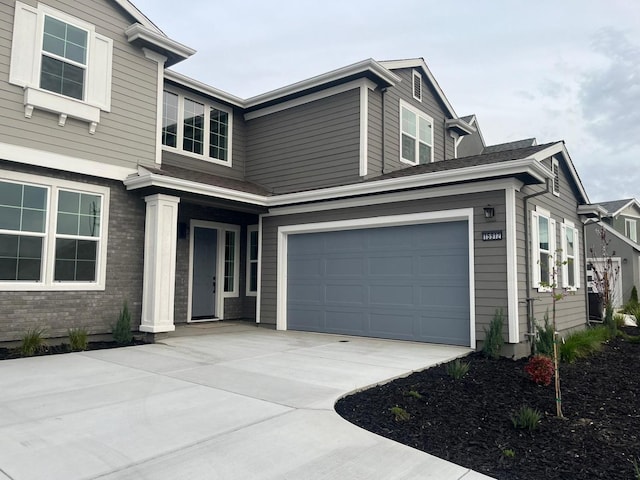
{"points": [[147, 37], [460, 126], [185, 81]]}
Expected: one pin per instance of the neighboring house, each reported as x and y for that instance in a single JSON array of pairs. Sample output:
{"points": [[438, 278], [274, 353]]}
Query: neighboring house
{"points": [[338, 204], [615, 236]]}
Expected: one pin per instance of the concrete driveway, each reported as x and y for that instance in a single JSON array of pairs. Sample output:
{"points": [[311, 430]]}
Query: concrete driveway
{"points": [[237, 403]]}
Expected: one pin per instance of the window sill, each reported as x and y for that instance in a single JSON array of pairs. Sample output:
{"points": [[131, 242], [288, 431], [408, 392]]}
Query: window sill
{"points": [[43, 287], [177, 151], [63, 106]]}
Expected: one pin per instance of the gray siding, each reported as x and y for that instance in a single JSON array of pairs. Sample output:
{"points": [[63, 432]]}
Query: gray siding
{"points": [[240, 307], [490, 257], [127, 135], [571, 311], [94, 310], [619, 222], [308, 146], [237, 169], [470, 145], [431, 105]]}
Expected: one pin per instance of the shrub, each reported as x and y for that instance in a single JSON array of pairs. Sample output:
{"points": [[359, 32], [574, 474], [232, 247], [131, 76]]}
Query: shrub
{"points": [[509, 453], [540, 369], [618, 318], [526, 418], [545, 337], [457, 369], [122, 329], [493, 338], [609, 321], [633, 298], [32, 342], [582, 344], [414, 394], [78, 339], [399, 414]]}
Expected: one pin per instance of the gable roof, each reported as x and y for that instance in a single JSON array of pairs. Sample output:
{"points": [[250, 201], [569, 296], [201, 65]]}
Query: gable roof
{"points": [[421, 64], [614, 207], [527, 142], [473, 121]]}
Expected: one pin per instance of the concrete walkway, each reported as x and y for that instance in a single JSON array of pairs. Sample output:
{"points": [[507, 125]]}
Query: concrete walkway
{"points": [[239, 403]]}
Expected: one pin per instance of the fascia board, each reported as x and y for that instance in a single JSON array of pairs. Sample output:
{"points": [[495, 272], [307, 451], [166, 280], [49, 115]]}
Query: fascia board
{"points": [[619, 236], [162, 181], [319, 80], [205, 89], [626, 205], [138, 31], [132, 10]]}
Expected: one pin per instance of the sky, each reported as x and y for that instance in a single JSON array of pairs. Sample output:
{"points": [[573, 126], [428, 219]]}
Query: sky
{"points": [[551, 69]]}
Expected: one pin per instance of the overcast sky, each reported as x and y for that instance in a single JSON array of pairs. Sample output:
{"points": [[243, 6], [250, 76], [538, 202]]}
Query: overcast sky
{"points": [[551, 69]]}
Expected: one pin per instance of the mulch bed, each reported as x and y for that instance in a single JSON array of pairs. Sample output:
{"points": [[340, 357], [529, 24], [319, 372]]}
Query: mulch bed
{"points": [[468, 421], [11, 353]]}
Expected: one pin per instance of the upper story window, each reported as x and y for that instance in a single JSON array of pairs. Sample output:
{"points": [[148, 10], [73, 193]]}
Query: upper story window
{"points": [[543, 242], [631, 229], [61, 62], [555, 168], [196, 128], [53, 235], [416, 135], [417, 85]]}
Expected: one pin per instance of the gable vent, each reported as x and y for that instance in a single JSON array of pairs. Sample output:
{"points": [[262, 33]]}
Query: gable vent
{"points": [[417, 86], [556, 176]]}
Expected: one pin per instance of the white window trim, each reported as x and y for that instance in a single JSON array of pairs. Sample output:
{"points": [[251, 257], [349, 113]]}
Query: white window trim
{"points": [[208, 104], [236, 259], [419, 113], [251, 293], [555, 168], [631, 229], [416, 77], [48, 256], [566, 225], [535, 250], [26, 59]]}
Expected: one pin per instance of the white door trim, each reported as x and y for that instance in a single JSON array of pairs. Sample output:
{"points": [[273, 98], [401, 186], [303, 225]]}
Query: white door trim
{"points": [[462, 214]]}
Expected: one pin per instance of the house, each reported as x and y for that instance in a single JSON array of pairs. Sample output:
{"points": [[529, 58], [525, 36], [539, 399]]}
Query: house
{"points": [[340, 203], [615, 236]]}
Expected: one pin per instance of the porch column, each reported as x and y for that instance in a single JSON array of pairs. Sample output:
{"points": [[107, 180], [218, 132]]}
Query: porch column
{"points": [[158, 288]]}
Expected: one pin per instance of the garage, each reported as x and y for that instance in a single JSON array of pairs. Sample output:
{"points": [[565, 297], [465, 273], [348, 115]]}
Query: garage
{"points": [[403, 282]]}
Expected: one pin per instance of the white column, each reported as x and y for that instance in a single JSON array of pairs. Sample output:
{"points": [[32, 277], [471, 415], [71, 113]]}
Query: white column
{"points": [[160, 238]]}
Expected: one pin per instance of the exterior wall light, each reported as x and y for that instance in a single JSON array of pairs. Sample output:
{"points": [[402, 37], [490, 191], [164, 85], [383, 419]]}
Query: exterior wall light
{"points": [[489, 212]]}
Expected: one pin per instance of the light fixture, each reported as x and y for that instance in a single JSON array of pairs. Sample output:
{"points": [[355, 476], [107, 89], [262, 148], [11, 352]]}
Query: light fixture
{"points": [[489, 212]]}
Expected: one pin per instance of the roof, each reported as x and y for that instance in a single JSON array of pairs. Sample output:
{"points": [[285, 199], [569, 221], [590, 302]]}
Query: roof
{"points": [[527, 142], [421, 64], [473, 121], [619, 235], [614, 207]]}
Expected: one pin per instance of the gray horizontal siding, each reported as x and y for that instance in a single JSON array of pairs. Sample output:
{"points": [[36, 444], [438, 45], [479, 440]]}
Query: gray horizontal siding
{"points": [[490, 257], [126, 136], [308, 146]]}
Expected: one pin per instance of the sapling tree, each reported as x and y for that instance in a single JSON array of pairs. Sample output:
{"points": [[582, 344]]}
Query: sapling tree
{"points": [[605, 274]]}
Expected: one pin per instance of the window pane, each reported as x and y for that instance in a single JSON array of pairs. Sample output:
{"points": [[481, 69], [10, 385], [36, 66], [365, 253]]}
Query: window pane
{"points": [[229, 260], [33, 220], [68, 201], [544, 267], [424, 153], [571, 280], [64, 40], [408, 122], [170, 119], [86, 271], [34, 197], [425, 134], [29, 270], [570, 247], [408, 148], [193, 126], [89, 226], [63, 78], [8, 268], [20, 257], [253, 247], [65, 249], [30, 247], [543, 233], [9, 246], [253, 277], [64, 270], [218, 139], [75, 260], [10, 194], [67, 224], [89, 204], [87, 250], [9, 218]]}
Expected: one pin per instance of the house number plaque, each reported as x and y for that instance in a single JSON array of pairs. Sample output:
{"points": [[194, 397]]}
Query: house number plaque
{"points": [[492, 236]]}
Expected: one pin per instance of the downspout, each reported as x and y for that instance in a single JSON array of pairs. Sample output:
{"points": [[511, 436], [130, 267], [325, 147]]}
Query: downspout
{"points": [[530, 321], [382, 93]]}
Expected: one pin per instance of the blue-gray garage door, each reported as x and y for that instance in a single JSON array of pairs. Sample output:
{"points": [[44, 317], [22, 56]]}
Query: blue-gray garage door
{"points": [[403, 282]]}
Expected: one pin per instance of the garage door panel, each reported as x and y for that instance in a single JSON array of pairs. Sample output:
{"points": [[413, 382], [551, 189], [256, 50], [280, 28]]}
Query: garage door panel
{"points": [[406, 282]]}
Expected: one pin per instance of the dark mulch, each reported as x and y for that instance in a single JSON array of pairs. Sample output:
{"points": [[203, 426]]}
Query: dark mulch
{"points": [[468, 421], [11, 353]]}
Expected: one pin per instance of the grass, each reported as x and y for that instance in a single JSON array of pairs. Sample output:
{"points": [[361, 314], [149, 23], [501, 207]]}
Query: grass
{"points": [[400, 414], [526, 418], [32, 342], [414, 394], [457, 369], [78, 339], [583, 343]]}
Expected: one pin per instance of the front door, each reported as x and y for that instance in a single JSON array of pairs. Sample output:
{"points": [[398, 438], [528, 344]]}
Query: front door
{"points": [[203, 294]]}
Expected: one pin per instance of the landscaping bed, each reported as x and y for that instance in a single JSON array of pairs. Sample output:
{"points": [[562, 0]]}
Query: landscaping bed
{"points": [[11, 353], [468, 421]]}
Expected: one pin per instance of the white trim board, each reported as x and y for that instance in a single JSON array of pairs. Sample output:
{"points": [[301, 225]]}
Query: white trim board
{"points": [[462, 214], [513, 319]]}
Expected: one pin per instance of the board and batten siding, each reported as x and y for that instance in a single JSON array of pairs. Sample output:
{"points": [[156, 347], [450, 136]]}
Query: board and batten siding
{"points": [[571, 311], [237, 168], [443, 143], [126, 136], [313, 145], [489, 257]]}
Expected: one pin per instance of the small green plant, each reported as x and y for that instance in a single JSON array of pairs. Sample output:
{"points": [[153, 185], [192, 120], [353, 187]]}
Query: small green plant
{"points": [[493, 338], [414, 394], [540, 369], [618, 318], [583, 343], [526, 418], [636, 467], [32, 342], [78, 339], [509, 453], [544, 337], [121, 331], [609, 321], [457, 369], [633, 298], [399, 414]]}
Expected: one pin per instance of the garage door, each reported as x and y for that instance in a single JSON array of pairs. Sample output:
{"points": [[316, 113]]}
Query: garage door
{"points": [[402, 282]]}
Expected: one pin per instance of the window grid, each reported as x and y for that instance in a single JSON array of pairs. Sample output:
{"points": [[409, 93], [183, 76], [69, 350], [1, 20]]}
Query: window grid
{"points": [[416, 136], [193, 135], [631, 229], [252, 260], [229, 260], [170, 119], [218, 133]]}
